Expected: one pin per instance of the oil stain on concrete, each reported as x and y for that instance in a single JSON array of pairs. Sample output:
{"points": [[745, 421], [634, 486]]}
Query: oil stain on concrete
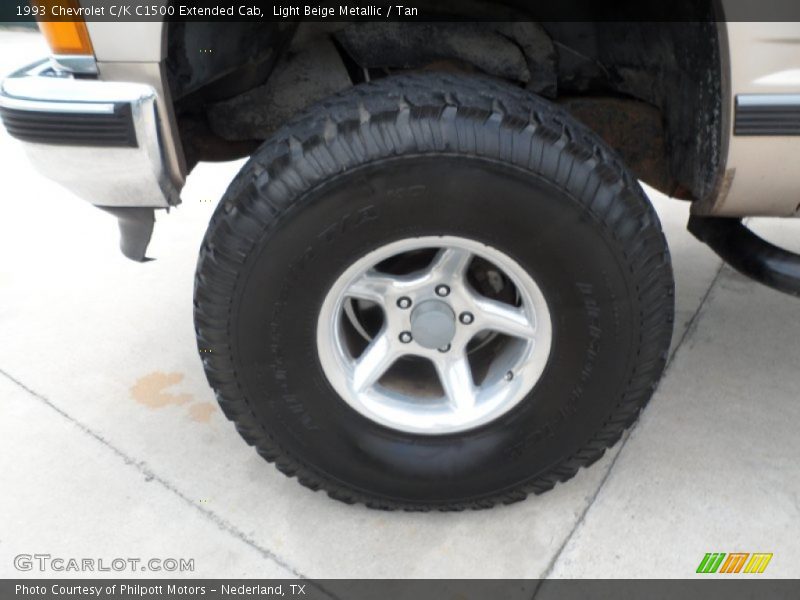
{"points": [[202, 411], [152, 390]]}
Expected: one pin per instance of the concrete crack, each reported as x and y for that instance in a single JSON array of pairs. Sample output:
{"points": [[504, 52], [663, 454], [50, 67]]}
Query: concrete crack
{"points": [[150, 475], [690, 329]]}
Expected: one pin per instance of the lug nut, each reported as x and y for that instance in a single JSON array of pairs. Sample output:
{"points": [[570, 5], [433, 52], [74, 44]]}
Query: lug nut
{"points": [[404, 302], [466, 318], [405, 337], [442, 290], [445, 348], [509, 376]]}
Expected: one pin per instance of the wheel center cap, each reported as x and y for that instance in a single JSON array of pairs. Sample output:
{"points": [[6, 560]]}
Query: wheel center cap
{"points": [[433, 324]]}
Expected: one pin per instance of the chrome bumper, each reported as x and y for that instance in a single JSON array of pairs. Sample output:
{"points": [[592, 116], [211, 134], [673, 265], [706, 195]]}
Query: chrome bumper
{"points": [[99, 139]]}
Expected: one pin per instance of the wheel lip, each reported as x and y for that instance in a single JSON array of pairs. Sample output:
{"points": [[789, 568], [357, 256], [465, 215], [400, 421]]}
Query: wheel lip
{"points": [[433, 421]]}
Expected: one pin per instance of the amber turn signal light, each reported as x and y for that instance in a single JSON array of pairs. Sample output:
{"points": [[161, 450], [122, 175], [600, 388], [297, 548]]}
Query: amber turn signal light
{"points": [[63, 37]]}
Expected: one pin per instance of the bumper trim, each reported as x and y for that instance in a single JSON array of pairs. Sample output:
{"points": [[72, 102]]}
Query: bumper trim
{"points": [[63, 124], [100, 129], [62, 107], [75, 63]]}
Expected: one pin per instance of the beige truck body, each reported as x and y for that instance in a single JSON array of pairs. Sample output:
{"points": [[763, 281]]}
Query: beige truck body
{"points": [[758, 59]]}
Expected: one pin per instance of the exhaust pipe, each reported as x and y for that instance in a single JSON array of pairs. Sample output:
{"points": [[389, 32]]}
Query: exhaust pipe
{"points": [[749, 254]]}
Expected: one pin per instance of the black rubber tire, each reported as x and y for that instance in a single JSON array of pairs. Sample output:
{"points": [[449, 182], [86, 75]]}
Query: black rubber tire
{"points": [[433, 154]]}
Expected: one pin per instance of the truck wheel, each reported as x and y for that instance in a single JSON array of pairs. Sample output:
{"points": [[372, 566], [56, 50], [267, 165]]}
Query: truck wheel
{"points": [[433, 292]]}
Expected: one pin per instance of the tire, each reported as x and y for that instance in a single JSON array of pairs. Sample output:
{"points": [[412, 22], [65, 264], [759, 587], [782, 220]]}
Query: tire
{"points": [[433, 155]]}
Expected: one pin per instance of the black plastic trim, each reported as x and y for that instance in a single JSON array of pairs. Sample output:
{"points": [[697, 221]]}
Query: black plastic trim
{"points": [[135, 229], [72, 129], [770, 118]]}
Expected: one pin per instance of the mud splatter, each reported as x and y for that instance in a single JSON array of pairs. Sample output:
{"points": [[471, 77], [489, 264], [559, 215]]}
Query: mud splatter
{"points": [[150, 390], [201, 413]]}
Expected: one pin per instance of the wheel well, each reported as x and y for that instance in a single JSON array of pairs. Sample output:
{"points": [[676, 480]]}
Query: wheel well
{"points": [[653, 91]]}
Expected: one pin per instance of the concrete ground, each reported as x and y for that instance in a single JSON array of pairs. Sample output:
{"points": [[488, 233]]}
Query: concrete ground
{"points": [[111, 444]]}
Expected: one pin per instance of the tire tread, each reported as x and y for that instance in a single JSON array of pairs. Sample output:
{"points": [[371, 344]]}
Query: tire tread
{"points": [[422, 113]]}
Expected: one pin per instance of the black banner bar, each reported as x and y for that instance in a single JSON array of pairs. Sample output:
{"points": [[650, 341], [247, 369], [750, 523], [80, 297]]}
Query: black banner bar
{"points": [[716, 587], [18, 11]]}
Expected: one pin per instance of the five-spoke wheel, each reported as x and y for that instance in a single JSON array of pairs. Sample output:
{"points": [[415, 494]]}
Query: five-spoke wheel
{"points": [[434, 335]]}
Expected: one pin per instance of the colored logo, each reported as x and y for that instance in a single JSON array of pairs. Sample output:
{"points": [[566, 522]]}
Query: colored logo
{"points": [[735, 562]]}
